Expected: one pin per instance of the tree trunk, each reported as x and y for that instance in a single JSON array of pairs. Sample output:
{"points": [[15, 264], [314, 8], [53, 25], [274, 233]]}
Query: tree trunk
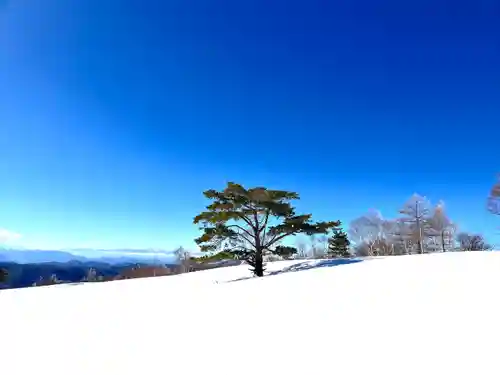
{"points": [[258, 269], [419, 234]]}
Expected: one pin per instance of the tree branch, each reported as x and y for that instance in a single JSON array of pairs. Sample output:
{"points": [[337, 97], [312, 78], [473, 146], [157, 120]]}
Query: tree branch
{"points": [[263, 229], [256, 229], [252, 244], [277, 238], [265, 222], [241, 228], [247, 220]]}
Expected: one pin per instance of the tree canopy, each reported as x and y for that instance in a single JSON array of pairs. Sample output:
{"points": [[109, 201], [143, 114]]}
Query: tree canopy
{"points": [[252, 222], [493, 203]]}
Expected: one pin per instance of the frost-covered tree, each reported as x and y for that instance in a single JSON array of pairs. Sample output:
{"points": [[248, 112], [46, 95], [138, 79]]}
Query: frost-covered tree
{"points": [[91, 275], [493, 203], [367, 232], [52, 280], [317, 247], [323, 244], [472, 242], [301, 246], [421, 228], [182, 260], [415, 213], [441, 227], [397, 237]]}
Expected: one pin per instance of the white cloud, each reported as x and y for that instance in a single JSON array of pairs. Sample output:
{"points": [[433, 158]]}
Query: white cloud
{"points": [[7, 235]]}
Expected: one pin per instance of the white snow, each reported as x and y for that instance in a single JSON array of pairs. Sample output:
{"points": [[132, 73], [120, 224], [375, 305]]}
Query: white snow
{"points": [[419, 314]]}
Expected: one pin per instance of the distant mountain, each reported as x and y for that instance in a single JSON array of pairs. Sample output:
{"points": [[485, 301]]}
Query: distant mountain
{"points": [[24, 275], [24, 256]]}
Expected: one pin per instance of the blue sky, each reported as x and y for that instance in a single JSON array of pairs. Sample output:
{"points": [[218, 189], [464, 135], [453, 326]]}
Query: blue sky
{"points": [[115, 115]]}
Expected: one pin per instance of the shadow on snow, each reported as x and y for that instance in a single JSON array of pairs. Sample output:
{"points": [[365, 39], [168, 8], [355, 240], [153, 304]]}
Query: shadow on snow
{"points": [[304, 266]]}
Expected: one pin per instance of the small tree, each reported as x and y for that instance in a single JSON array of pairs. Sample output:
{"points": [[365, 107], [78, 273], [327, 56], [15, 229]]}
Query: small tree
{"points": [[472, 242], [441, 226], [183, 260], [367, 231], [251, 222], [415, 212], [54, 279], [315, 250], [301, 249], [362, 250], [493, 202], [323, 244], [338, 245], [91, 275], [286, 252]]}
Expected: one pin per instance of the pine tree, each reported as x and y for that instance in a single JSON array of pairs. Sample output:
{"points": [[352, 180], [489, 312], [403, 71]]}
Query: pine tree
{"points": [[251, 222], [338, 245]]}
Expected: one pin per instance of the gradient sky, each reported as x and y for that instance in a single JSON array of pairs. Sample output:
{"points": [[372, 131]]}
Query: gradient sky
{"points": [[115, 115]]}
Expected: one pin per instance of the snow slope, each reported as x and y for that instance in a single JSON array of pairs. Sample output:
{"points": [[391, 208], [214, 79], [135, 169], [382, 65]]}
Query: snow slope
{"points": [[419, 314]]}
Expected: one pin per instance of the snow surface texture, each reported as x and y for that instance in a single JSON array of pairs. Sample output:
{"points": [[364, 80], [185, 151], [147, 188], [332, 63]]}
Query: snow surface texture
{"points": [[419, 314]]}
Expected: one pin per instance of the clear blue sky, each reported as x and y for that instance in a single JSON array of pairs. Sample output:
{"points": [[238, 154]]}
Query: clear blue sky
{"points": [[115, 115]]}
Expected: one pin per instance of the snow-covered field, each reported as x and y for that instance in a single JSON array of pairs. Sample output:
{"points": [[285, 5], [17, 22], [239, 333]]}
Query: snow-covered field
{"points": [[419, 314]]}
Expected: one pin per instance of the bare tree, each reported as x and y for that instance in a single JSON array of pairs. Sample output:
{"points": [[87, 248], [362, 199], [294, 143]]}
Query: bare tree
{"points": [[183, 260], [313, 247], [493, 203], [368, 229], [362, 250], [301, 248], [416, 211], [399, 236], [472, 242], [422, 228], [317, 247], [441, 227], [52, 280], [91, 275], [363, 234], [323, 244]]}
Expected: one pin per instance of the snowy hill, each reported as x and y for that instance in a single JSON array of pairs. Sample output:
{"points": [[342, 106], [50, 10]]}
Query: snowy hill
{"points": [[419, 314]]}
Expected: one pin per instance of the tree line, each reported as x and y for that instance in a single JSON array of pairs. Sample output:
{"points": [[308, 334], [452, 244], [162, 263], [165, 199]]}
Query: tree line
{"points": [[420, 228], [252, 224]]}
